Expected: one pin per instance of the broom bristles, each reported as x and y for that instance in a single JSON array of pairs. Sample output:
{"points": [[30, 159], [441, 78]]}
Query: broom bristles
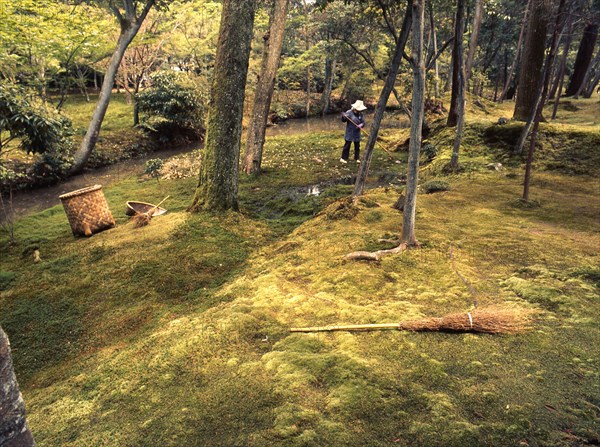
{"points": [[489, 320], [141, 219]]}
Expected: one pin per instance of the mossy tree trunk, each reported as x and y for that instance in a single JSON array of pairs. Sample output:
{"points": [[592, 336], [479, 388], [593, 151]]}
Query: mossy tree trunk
{"points": [[381, 103], [418, 95], [14, 431], [457, 65], [583, 59], [218, 185], [130, 24], [533, 60], [264, 89]]}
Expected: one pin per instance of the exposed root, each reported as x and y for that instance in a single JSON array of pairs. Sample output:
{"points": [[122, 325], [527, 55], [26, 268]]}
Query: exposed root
{"points": [[375, 255]]}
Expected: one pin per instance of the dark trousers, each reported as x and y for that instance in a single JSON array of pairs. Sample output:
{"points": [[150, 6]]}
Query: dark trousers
{"points": [[346, 150]]}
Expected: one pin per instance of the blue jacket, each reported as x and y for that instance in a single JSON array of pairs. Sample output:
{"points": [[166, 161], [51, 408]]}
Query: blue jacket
{"points": [[352, 132]]}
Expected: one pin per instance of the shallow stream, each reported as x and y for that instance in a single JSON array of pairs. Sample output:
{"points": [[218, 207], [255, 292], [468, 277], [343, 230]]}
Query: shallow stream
{"points": [[30, 201]]}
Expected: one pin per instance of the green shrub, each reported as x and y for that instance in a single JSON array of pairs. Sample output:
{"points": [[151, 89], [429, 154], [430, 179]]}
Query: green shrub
{"points": [[153, 167], [40, 129], [429, 151], [435, 186], [173, 106]]}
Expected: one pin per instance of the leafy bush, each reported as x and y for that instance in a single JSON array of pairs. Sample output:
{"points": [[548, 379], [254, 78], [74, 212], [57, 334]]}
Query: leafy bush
{"points": [[435, 186], [429, 151], [173, 106], [39, 128], [153, 167]]}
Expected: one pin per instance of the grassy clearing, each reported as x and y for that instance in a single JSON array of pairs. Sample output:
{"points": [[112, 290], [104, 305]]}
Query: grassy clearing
{"points": [[176, 333]]}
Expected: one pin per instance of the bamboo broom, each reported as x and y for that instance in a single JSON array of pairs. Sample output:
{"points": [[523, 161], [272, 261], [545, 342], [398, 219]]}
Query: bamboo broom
{"points": [[142, 219], [490, 320]]}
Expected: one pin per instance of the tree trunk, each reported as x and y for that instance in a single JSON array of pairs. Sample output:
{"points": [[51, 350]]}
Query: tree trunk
{"points": [[583, 59], [460, 82], [264, 88], [91, 136], [388, 86], [457, 65], [562, 67], [589, 76], [14, 431], [477, 17], [593, 84], [328, 87], [408, 226], [533, 60], [436, 71], [218, 185], [540, 99], [513, 66]]}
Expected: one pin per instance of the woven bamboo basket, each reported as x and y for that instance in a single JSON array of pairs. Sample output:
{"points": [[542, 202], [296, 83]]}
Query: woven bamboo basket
{"points": [[87, 210]]}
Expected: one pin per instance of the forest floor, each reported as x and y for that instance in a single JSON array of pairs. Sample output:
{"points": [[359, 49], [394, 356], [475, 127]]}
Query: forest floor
{"points": [[177, 333]]}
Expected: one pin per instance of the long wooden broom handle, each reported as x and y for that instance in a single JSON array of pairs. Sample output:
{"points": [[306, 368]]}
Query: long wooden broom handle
{"points": [[156, 207], [352, 327], [367, 134]]}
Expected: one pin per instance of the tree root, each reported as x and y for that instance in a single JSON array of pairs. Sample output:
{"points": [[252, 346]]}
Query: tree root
{"points": [[375, 255]]}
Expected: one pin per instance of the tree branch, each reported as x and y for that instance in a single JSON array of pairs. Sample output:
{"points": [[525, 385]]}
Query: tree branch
{"points": [[389, 24], [430, 63]]}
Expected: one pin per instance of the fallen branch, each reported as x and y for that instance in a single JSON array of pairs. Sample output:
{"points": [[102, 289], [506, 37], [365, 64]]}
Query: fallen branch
{"points": [[490, 320]]}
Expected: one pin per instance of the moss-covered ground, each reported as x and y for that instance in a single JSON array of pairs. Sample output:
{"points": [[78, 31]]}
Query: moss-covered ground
{"points": [[177, 333]]}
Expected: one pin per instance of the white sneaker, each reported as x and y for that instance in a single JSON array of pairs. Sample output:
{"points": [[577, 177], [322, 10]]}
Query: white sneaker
{"points": [[343, 161], [357, 161]]}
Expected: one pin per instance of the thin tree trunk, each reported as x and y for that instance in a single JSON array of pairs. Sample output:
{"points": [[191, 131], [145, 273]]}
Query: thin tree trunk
{"points": [[264, 88], [559, 80], [14, 431], [561, 69], [593, 84], [457, 65], [410, 203], [388, 86], [540, 100], [91, 137], [218, 185], [589, 76], [583, 59], [328, 87], [461, 83], [477, 17], [513, 66], [436, 71], [533, 60], [308, 67]]}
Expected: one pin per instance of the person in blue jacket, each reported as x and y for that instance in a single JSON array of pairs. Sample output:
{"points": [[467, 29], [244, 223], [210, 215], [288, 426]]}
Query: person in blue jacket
{"points": [[355, 121]]}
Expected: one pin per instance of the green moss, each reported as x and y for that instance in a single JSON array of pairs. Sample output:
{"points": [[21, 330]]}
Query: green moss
{"points": [[432, 186], [181, 327], [7, 279]]}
